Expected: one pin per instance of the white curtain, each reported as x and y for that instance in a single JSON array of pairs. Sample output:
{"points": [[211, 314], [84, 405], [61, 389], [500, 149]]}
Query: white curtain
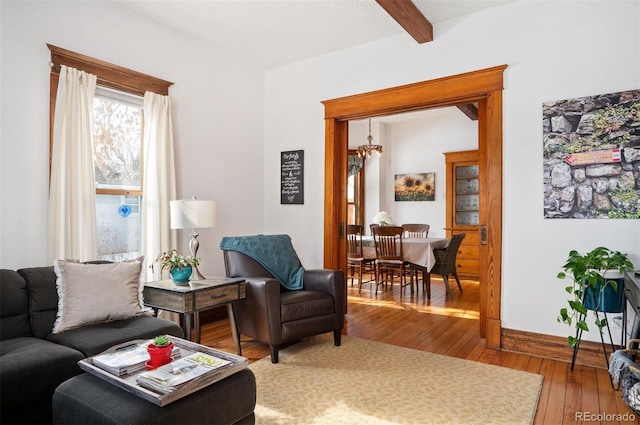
{"points": [[72, 193], [159, 184]]}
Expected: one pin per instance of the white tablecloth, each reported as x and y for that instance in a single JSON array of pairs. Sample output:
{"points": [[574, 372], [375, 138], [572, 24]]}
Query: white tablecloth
{"points": [[414, 250]]}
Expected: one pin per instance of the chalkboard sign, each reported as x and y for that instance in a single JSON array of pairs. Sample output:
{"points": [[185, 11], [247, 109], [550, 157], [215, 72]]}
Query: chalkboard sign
{"points": [[292, 177]]}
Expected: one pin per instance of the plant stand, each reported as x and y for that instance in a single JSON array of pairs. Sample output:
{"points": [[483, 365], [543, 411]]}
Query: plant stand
{"points": [[620, 308], [604, 347]]}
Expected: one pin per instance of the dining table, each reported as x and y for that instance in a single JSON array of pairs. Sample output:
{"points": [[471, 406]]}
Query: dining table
{"points": [[418, 251]]}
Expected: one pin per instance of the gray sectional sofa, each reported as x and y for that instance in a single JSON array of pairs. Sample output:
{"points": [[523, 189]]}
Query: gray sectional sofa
{"points": [[33, 360]]}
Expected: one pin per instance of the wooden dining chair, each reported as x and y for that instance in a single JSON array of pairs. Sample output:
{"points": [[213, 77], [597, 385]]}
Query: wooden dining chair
{"points": [[389, 256], [446, 263], [415, 230], [355, 255]]}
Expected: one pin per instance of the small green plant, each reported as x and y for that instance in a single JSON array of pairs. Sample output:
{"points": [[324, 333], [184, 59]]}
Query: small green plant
{"points": [[610, 122], [161, 340], [625, 204], [588, 274], [171, 259]]}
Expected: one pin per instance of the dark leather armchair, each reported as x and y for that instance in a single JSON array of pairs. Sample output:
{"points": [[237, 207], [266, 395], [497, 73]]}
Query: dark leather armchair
{"points": [[275, 315]]}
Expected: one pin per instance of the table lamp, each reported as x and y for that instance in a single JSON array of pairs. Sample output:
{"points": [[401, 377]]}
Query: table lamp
{"points": [[193, 214]]}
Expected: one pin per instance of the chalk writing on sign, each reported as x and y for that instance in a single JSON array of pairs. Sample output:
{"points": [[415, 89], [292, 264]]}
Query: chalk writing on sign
{"points": [[292, 177]]}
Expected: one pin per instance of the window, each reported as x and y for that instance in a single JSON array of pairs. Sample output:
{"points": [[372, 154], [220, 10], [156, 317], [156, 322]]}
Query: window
{"points": [[117, 150], [118, 121], [351, 200], [355, 189]]}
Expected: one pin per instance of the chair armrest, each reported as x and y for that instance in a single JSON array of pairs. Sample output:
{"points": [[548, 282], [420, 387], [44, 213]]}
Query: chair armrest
{"points": [[440, 254], [328, 281], [445, 259], [265, 290], [258, 315]]}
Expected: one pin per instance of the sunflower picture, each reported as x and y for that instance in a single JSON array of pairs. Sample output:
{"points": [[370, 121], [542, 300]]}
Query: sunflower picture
{"points": [[415, 187]]}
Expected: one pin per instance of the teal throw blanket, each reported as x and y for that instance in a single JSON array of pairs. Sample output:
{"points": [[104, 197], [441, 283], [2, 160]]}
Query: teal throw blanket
{"points": [[274, 252]]}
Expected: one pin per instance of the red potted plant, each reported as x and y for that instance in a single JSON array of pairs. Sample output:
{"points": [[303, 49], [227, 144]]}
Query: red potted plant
{"points": [[159, 352]]}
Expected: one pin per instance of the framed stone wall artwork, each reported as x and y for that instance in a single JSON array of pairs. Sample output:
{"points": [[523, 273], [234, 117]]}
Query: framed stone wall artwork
{"points": [[591, 156], [415, 187]]}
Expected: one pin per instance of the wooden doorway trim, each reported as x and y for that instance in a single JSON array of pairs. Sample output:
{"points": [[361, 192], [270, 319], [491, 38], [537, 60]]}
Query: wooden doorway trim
{"points": [[482, 86]]}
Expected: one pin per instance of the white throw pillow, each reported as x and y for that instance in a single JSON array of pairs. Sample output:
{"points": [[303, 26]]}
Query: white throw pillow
{"points": [[97, 293]]}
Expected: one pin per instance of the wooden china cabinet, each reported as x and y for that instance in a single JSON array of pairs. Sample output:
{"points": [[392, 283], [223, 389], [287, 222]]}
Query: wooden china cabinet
{"points": [[462, 210]]}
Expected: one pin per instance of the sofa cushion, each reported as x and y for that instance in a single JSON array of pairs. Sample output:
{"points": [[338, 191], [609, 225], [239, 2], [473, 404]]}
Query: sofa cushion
{"points": [[30, 370], [297, 305], [41, 282], [94, 339], [14, 305], [97, 293]]}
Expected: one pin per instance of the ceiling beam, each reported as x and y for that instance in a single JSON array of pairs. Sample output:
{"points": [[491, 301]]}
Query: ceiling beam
{"points": [[469, 110], [410, 18]]}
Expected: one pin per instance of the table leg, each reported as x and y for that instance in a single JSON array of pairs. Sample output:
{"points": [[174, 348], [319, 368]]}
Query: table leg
{"points": [[187, 326], [196, 320], [623, 337], [234, 328]]}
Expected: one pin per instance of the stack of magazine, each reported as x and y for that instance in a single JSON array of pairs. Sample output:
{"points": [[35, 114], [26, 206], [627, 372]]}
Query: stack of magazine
{"points": [[172, 376], [128, 359]]}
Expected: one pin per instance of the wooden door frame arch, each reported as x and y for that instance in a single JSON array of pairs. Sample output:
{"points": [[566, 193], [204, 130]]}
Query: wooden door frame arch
{"points": [[484, 87]]}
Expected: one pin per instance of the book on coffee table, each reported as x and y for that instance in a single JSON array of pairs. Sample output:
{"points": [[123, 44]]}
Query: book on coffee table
{"points": [[172, 376], [128, 358]]}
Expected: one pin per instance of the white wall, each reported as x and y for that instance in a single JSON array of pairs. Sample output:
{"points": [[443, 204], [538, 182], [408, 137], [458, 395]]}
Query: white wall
{"points": [[412, 144], [218, 118], [554, 50]]}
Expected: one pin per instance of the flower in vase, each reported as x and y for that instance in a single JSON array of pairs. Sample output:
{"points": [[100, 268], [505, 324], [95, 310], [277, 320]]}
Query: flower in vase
{"points": [[382, 219]]}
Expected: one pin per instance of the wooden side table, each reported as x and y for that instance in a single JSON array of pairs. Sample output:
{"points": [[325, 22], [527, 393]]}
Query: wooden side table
{"points": [[196, 296]]}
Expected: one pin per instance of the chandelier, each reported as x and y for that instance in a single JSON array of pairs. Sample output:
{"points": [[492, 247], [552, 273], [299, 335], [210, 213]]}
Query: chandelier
{"points": [[364, 151]]}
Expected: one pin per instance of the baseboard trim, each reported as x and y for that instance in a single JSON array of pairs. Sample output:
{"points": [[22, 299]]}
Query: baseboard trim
{"points": [[553, 347]]}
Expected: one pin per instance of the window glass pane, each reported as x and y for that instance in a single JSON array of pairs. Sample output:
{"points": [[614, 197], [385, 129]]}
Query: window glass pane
{"points": [[117, 141], [117, 137], [118, 218], [351, 189]]}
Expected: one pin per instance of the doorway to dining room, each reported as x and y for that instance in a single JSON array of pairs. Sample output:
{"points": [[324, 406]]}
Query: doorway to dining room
{"points": [[485, 88], [414, 146]]}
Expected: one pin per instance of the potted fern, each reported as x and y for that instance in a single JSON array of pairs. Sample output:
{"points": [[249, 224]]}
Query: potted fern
{"points": [[596, 280]]}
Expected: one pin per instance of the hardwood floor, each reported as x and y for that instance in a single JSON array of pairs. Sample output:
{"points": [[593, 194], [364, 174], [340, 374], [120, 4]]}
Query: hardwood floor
{"points": [[451, 328]]}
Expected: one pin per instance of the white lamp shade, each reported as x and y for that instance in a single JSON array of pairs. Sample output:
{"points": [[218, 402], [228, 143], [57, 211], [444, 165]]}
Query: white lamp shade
{"points": [[193, 213]]}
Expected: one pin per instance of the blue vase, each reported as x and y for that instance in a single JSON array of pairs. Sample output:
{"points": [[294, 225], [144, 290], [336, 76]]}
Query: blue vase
{"points": [[180, 276]]}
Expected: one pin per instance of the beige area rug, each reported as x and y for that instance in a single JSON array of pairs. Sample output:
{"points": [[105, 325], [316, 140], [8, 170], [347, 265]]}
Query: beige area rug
{"points": [[366, 382]]}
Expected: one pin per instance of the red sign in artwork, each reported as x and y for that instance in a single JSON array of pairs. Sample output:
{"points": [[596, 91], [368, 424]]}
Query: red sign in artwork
{"points": [[596, 157]]}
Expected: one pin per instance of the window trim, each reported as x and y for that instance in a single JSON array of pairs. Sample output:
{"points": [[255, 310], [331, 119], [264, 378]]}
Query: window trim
{"points": [[109, 75]]}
